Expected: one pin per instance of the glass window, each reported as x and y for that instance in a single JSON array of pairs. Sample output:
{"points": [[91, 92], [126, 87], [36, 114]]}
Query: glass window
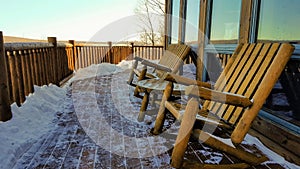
{"points": [[278, 20], [284, 99], [225, 20], [175, 20], [192, 21]]}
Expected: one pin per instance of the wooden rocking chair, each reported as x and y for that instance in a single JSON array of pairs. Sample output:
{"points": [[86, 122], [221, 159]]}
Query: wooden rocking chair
{"points": [[232, 105], [171, 61]]}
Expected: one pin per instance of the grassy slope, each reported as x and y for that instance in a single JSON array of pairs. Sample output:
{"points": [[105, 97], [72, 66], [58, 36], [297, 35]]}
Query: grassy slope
{"points": [[8, 39]]}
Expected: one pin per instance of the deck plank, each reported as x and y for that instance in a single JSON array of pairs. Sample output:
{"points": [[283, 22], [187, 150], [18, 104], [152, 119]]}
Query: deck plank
{"points": [[71, 145]]}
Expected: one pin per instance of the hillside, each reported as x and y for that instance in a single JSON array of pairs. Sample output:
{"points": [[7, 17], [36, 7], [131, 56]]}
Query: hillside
{"points": [[13, 39], [8, 39]]}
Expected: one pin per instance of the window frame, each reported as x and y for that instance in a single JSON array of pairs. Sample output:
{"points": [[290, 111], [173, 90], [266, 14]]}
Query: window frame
{"points": [[248, 33], [253, 37], [182, 21]]}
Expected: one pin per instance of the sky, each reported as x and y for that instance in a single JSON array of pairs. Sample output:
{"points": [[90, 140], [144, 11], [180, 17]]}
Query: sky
{"points": [[64, 19]]}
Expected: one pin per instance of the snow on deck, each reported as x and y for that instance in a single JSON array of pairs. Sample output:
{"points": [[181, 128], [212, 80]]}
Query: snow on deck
{"points": [[92, 123]]}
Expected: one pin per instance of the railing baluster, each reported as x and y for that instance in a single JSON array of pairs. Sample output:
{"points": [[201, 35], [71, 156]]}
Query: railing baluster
{"points": [[27, 71], [14, 78], [20, 76], [24, 72]]}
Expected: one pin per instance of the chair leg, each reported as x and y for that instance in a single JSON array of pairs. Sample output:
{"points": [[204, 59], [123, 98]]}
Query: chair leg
{"points": [[154, 98], [141, 77], [184, 133], [131, 75], [144, 106], [136, 92], [160, 118]]}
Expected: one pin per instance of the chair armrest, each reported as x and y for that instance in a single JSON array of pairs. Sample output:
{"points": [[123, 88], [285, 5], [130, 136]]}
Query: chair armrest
{"points": [[217, 96], [154, 65], [186, 81], [148, 75]]}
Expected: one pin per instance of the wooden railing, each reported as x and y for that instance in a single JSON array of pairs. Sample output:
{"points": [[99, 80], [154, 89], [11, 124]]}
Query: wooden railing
{"points": [[86, 55], [224, 58], [215, 64], [147, 52], [28, 65], [23, 65]]}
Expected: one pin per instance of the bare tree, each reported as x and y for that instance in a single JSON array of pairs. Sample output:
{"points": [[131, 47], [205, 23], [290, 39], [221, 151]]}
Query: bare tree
{"points": [[151, 15]]}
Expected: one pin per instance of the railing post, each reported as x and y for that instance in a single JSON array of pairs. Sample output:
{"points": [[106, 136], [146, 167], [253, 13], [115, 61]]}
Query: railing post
{"points": [[5, 110], [110, 53], [132, 51], [53, 40]]}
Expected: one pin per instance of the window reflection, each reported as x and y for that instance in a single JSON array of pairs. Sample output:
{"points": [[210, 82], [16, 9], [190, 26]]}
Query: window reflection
{"points": [[192, 21], [278, 20], [175, 20], [225, 19]]}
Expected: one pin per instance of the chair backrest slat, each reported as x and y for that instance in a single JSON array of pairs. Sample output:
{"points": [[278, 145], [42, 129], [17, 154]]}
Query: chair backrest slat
{"points": [[249, 83], [245, 76], [220, 83], [241, 73], [266, 77], [232, 77], [173, 57], [226, 75]]}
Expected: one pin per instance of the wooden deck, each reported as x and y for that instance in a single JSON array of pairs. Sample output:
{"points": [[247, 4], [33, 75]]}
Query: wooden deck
{"points": [[102, 132]]}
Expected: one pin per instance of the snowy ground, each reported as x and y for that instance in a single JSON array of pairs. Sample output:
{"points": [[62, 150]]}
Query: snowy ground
{"points": [[36, 117], [39, 116]]}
